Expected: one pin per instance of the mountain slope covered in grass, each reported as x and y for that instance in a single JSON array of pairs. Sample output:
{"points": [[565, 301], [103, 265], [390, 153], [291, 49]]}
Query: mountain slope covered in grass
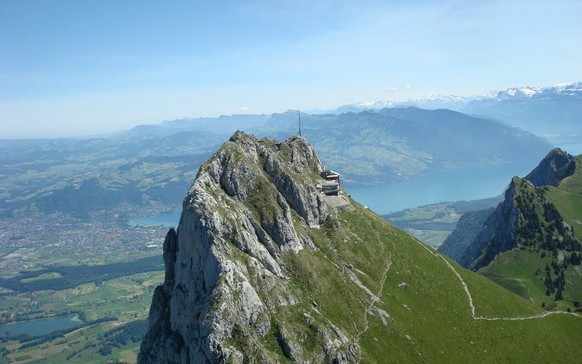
{"points": [[264, 268]]}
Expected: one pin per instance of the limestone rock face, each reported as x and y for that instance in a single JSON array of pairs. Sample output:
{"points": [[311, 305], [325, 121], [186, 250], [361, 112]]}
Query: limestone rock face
{"points": [[498, 233], [248, 208]]}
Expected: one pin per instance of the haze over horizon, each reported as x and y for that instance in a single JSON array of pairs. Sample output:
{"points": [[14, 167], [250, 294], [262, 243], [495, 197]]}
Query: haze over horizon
{"points": [[75, 68]]}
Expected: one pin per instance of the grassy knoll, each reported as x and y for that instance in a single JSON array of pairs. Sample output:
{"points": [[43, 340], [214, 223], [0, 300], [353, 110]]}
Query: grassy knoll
{"points": [[573, 183], [569, 204]]}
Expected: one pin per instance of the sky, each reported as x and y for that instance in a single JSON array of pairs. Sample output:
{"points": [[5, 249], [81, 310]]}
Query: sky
{"points": [[71, 68]]}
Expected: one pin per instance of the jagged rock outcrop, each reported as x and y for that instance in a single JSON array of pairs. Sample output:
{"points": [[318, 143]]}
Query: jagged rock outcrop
{"points": [[556, 166], [248, 208], [498, 233], [524, 216]]}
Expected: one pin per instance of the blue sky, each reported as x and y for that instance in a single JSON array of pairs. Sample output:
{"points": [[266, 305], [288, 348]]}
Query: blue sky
{"points": [[83, 67]]}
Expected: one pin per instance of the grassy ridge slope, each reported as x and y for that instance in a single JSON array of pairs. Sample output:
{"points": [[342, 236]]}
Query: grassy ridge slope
{"points": [[429, 320], [568, 199]]}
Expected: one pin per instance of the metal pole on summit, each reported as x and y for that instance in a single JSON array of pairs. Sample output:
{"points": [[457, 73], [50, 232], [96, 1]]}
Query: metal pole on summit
{"points": [[299, 114]]}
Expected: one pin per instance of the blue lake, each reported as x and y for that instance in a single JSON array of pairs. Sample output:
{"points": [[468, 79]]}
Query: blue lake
{"points": [[40, 327], [443, 186]]}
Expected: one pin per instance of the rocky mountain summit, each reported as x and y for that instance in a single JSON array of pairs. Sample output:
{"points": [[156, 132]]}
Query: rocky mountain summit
{"points": [[226, 268], [266, 268], [556, 166]]}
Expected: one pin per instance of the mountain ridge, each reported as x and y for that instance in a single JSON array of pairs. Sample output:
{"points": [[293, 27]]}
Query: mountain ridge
{"points": [[552, 112], [154, 165]]}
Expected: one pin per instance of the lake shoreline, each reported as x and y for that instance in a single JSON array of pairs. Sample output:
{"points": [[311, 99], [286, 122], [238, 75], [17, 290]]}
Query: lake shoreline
{"points": [[41, 326]]}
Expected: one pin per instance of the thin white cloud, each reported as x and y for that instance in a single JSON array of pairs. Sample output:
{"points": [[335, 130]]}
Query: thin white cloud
{"points": [[242, 109]]}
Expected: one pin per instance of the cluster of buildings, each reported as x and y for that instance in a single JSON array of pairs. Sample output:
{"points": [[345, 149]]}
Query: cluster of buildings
{"points": [[331, 184]]}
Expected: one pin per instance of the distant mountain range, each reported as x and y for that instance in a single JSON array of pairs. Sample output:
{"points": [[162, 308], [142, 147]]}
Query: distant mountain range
{"points": [[153, 164], [384, 145], [431, 102], [551, 112], [150, 165]]}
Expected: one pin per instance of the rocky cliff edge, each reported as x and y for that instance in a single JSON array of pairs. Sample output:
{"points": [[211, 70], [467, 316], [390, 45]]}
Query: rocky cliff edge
{"points": [[556, 166], [249, 206]]}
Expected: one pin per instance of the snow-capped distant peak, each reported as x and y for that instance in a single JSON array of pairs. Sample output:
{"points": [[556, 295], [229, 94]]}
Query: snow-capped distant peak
{"points": [[443, 98], [374, 104], [521, 91], [568, 87], [459, 103], [563, 89], [529, 91], [564, 85]]}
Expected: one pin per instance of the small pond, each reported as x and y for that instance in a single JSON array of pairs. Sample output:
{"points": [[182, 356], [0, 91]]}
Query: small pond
{"points": [[40, 327]]}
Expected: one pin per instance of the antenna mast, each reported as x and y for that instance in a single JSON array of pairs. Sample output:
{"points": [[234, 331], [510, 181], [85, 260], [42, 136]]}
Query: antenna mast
{"points": [[299, 114]]}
